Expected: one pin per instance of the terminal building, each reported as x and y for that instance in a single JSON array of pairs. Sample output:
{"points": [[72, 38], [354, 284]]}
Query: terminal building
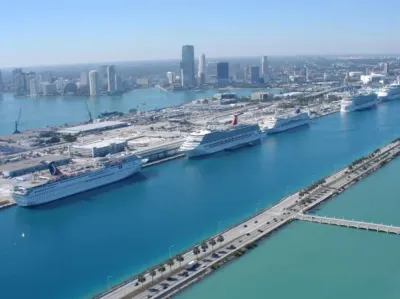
{"points": [[99, 148], [32, 165], [262, 96]]}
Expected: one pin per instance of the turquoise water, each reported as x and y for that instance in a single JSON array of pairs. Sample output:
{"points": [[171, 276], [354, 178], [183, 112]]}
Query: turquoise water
{"points": [[310, 260], [70, 247], [50, 111]]}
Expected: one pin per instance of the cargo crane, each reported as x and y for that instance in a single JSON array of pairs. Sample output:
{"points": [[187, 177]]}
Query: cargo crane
{"points": [[89, 113], [16, 131]]}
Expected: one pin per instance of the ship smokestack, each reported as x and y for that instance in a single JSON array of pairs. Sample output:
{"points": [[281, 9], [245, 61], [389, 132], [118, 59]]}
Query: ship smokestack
{"points": [[235, 120], [53, 169]]}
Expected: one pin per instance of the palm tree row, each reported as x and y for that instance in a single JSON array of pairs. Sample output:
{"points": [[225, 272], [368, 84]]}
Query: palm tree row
{"points": [[180, 258]]}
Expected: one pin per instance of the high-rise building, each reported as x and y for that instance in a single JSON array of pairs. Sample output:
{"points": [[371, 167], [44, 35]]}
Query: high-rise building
{"points": [[386, 68], [84, 78], [46, 77], [255, 74], [170, 78], [222, 73], [187, 66], [306, 73], [111, 79], [93, 83], [118, 83], [49, 88], [1, 83], [102, 70], [34, 86], [264, 68], [202, 69]]}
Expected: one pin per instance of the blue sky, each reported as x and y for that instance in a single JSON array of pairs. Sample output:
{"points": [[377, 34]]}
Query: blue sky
{"points": [[43, 32]]}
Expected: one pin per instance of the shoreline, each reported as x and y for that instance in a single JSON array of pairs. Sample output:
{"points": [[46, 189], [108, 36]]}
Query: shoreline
{"points": [[272, 218]]}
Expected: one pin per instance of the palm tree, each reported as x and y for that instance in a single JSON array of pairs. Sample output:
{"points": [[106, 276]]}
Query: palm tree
{"points": [[141, 279], [161, 269], [220, 238], [170, 263], [152, 274], [212, 243], [179, 258], [204, 246], [196, 251]]}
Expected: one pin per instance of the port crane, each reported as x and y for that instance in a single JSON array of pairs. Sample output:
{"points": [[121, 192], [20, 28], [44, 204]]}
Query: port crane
{"points": [[16, 131], [89, 113]]}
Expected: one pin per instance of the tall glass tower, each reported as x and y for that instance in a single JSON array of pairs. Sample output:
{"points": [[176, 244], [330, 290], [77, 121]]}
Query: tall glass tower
{"points": [[187, 67]]}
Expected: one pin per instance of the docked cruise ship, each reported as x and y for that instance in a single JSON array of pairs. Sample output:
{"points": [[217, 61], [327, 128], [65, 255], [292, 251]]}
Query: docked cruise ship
{"points": [[75, 178], [283, 122], [212, 140], [390, 92], [358, 101]]}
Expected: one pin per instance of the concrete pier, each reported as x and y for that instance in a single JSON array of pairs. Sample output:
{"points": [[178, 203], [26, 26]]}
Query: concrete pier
{"points": [[154, 283], [350, 223]]}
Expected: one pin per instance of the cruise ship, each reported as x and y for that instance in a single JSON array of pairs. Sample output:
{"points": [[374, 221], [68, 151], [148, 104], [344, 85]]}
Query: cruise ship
{"points": [[389, 92], [74, 178], [212, 140], [358, 101], [283, 122]]}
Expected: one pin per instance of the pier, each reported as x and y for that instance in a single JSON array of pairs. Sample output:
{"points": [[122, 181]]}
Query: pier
{"points": [[171, 276], [350, 223]]}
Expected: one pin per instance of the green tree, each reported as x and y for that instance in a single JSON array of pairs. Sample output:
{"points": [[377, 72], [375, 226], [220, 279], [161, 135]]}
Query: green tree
{"points": [[220, 238], [212, 243], [152, 274], [179, 258], [141, 279], [196, 251], [204, 246], [161, 269], [170, 263]]}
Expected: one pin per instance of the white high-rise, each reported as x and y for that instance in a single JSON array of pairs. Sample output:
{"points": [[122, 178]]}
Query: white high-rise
{"points": [[202, 69], [170, 78], [264, 68], [111, 79], [34, 86], [94, 83]]}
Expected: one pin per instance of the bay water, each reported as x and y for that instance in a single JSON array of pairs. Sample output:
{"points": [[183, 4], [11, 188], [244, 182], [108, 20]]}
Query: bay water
{"points": [[76, 247]]}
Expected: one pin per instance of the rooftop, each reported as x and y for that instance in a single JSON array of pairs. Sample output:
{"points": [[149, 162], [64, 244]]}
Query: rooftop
{"points": [[23, 164], [99, 143], [93, 127]]}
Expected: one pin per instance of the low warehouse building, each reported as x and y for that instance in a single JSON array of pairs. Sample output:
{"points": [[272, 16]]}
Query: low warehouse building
{"points": [[32, 165], [99, 148]]}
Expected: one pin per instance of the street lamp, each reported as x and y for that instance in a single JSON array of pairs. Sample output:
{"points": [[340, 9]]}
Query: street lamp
{"points": [[170, 247]]}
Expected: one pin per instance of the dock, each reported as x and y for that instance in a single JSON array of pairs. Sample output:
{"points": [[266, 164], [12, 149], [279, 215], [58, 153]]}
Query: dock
{"points": [[170, 276], [390, 229]]}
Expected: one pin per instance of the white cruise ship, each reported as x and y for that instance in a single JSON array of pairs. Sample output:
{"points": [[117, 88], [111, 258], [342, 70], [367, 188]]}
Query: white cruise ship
{"points": [[283, 122], [74, 178], [212, 140], [358, 101], [389, 92]]}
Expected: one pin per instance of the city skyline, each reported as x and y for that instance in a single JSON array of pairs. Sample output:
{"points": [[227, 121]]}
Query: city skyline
{"points": [[290, 28]]}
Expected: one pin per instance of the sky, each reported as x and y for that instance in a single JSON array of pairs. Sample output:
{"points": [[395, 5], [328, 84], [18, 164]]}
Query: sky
{"points": [[43, 32]]}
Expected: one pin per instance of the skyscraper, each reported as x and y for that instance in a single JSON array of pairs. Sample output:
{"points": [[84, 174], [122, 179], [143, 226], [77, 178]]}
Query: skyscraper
{"points": [[102, 70], [264, 68], [386, 68], [84, 78], [187, 66], [111, 79], [202, 69], [222, 73], [34, 86], [255, 74], [93, 83]]}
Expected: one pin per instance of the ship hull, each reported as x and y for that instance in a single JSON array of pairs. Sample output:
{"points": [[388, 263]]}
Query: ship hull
{"points": [[352, 108], [68, 187], [202, 150], [287, 127]]}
